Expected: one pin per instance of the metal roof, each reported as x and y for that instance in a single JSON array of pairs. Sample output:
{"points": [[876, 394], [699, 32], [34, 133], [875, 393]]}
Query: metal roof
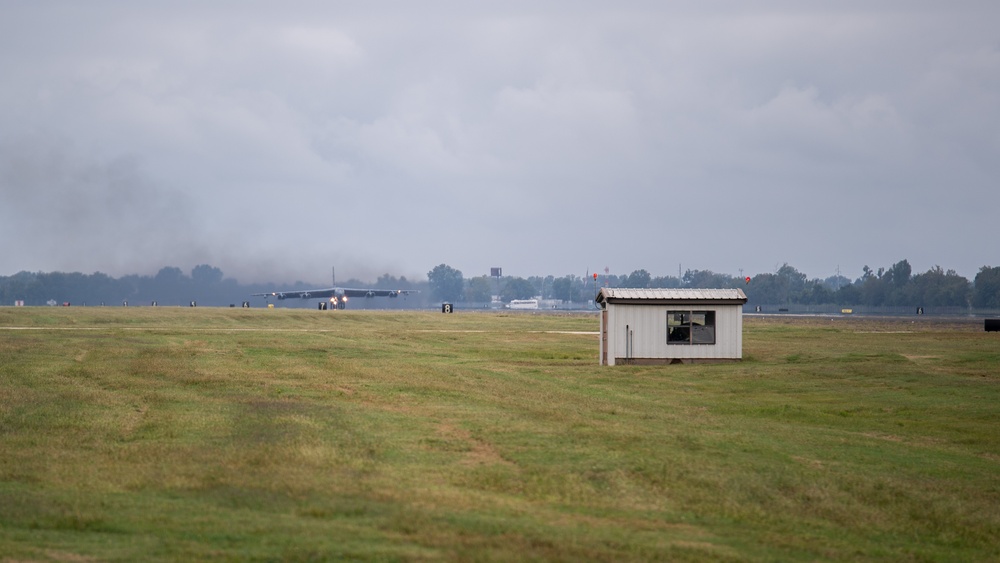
{"points": [[620, 294]]}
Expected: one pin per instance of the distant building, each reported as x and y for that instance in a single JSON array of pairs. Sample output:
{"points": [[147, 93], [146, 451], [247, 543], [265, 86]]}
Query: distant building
{"points": [[664, 326], [523, 304]]}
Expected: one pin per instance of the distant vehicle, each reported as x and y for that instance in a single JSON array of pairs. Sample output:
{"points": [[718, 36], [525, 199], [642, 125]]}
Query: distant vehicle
{"points": [[337, 295], [523, 304]]}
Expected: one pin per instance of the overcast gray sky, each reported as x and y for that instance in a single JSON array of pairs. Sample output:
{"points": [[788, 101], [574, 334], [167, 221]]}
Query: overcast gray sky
{"points": [[277, 140]]}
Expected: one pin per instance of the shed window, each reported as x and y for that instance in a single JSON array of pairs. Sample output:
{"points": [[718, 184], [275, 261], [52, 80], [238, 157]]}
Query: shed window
{"points": [[690, 327]]}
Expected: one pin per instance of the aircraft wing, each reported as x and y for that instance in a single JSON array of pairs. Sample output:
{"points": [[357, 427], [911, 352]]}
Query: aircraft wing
{"points": [[336, 292], [376, 292]]}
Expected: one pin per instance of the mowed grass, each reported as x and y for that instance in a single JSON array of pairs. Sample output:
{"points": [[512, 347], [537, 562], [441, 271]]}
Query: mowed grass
{"points": [[193, 434]]}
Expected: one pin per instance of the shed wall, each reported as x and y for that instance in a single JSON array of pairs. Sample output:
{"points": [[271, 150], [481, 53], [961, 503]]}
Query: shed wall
{"points": [[639, 331]]}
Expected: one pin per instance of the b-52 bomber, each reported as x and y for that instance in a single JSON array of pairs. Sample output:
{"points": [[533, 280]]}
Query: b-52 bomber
{"points": [[337, 295]]}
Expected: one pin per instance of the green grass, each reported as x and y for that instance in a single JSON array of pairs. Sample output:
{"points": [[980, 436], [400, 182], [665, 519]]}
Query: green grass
{"points": [[192, 434]]}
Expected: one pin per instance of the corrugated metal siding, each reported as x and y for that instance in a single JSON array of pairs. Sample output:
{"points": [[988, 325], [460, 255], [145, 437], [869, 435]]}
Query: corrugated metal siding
{"points": [[640, 331]]}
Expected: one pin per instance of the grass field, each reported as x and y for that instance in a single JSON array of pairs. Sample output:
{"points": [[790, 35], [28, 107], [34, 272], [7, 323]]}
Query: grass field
{"points": [[191, 434]]}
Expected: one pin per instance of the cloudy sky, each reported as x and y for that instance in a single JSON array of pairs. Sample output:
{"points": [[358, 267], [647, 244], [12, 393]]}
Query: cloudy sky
{"points": [[277, 140]]}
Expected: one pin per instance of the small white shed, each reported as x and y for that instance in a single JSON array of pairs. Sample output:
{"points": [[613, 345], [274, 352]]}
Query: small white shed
{"points": [[667, 326]]}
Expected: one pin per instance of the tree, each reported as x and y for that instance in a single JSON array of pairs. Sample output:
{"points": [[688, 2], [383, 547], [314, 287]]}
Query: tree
{"points": [[20, 287], [900, 273], [562, 288], [941, 289], [986, 293], [170, 274], [639, 279], [848, 295], [669, 282], [897, 283], [170, 286], [770, 289], [446, 283], [517, 288], [547, 287], [816, 293], [609, 280], [479, 290], [206, 275], [836, 282], [795, 281], [538, 283], [707, 279], [873, 290]]}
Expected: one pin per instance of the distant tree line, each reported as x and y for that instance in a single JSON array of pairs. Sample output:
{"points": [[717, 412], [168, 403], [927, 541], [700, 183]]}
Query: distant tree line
{"points": [[892, 287], [206, 285], [171, 286]]}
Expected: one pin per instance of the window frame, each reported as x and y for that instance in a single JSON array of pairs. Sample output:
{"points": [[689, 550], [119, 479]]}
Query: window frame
{"points": [[687, 320]]}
